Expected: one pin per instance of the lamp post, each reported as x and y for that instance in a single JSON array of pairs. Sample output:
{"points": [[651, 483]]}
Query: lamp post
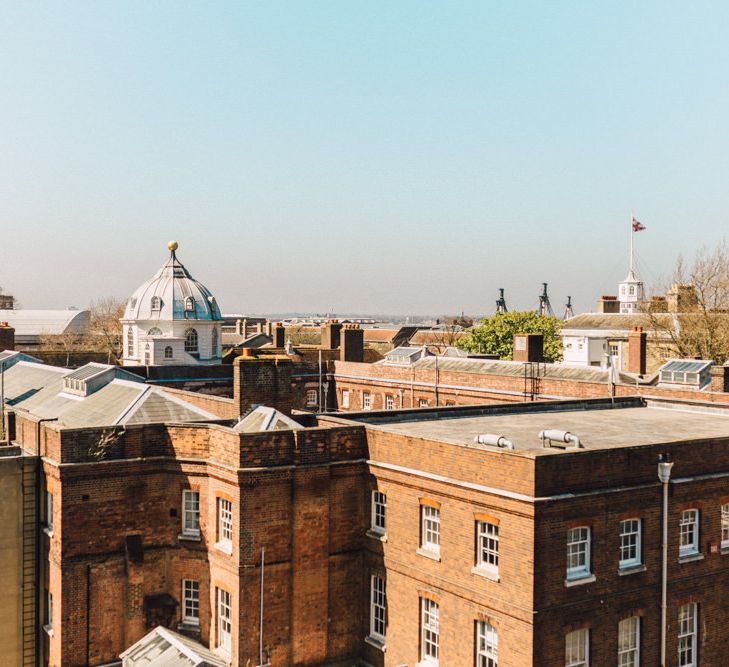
{"points": [[664, 475]]}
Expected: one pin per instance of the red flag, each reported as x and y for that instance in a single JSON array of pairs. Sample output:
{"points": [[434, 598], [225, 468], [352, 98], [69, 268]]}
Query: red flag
{"points": [[637, 226]]}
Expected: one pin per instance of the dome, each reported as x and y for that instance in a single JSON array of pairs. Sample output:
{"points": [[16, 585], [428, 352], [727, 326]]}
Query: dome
{"points": [[172, 294]]}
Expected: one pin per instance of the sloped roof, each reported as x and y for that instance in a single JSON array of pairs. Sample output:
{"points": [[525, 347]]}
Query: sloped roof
{"points": [[26, 378], [613, 321], [165, 648], [37, 322], [266, 419]]}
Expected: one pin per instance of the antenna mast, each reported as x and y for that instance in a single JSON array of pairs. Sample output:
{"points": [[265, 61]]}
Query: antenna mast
{"points": [[568, 312], [501, 302], [545, 307]]}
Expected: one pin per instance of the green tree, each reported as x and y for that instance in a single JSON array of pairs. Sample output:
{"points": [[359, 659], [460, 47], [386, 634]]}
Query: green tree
{"points": [[495, 334]]}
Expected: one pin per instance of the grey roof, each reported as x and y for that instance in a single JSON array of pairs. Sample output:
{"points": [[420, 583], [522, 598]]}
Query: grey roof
{"points": [[36, 322], [26, 378], [266, 419], [686, 365], [165, 648], [513, 368]]}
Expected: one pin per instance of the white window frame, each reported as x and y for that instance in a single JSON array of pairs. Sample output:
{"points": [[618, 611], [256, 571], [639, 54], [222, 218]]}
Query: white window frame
{"points": [[224, 624], [389, 402], [629, 642], [366, 400], [49, 511], [48, 625], [430, 528], [422, 402], [577, 648], [688, 635], [312, 398], [689, 533], [487, 645], [725, 526], [191, 513], [224, 524], [345, 398], [487, 546], [578, 546], [429, 632], [191, 601], [378, 521], [378, 608], [630, 540]]}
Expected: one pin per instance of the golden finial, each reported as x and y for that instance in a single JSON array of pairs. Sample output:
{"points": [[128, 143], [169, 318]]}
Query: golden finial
{"points": [[172, 245]]}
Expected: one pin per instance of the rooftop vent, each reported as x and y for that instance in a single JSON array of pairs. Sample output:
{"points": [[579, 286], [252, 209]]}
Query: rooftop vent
{"points": [[494, 440], [560, 439]]}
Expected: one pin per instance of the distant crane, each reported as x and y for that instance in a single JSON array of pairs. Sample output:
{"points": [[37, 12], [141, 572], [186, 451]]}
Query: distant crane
{"points": [[568, 312], [545, 307], [501, 302]]}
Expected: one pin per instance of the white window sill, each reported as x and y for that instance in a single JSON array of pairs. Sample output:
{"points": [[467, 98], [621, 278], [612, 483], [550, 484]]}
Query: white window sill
{"points": [[376, 642], [631, 569], [48, 629], [428, 662], [189, 537], [224, 547], [48, 530], [724, 549], [486, 572], [690, 558], [433, 555], [579, 581], [377, 535]]}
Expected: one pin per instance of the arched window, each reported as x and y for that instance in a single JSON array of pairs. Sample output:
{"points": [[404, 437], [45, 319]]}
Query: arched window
{"points": [[168, 352], [156, 303], [189, 303], [215, 342], [154, 331], [147, 355], [191, 341], [130, 342]]}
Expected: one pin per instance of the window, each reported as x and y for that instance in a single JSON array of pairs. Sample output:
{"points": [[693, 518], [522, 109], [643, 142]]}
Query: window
{"points": [[147, 355], [487, 549], [629, 642], [687, 636], [379, 505], [49, 510], [366, 400], [154, 331], [130, 342], [430, 528], [614, 349], [156, 303], [389, 402], [189, 304], [225, 523], [191, 341], [423, 403], [632, 290], [429, 631], [578, 553], [630, 545], [487, 645], [311, 397], [214, 343], [48, 627], [168, 352], [190, 601], [577, 648], [725, 526], [223, 634], [191, 513], [689, 532], [378, 606], [345, 398]]}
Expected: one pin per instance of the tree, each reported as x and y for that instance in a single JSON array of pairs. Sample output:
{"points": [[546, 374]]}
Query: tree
{"points": [[495, 334], [105, 330], [697, 321]]}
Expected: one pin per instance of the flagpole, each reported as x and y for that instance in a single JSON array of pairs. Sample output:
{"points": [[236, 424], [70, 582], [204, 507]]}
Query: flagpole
{"points": [[631, 242]]}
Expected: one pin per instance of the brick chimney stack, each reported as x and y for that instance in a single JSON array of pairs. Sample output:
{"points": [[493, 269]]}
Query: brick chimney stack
{"points": [[279, 335], [264, 381], [7, 337], [352, 343], [528, 347], [637, 351], [331, 335]]}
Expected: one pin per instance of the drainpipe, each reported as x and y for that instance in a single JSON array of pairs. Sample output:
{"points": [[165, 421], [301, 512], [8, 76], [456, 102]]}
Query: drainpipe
{"points": [[664, 475]]}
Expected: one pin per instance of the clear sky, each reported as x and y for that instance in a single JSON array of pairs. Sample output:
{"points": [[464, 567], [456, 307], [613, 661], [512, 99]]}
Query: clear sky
{"points": [[390, 157]]}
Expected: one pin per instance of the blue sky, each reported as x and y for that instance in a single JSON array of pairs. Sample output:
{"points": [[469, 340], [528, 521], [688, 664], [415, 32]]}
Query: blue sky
{"points": [[390, 157]]}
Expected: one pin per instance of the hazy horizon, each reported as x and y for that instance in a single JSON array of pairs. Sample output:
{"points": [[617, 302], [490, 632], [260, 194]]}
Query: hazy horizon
{"points": [[374, 158]]}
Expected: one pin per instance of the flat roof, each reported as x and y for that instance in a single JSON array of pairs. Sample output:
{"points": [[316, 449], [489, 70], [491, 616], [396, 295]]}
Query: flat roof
{"points": [[598, 425]]}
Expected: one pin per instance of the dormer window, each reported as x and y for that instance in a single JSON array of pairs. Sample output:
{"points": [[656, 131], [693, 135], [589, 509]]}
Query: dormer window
{"points": [[156, 303], [189, 304]]}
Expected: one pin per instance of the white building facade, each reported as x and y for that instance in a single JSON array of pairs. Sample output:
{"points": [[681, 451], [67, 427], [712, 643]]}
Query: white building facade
{"points": [[172, 319]]}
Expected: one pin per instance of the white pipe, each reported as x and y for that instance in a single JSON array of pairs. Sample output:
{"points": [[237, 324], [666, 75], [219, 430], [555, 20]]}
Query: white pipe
{"points": [[553, 435], [664, 475], [494, 440]]}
